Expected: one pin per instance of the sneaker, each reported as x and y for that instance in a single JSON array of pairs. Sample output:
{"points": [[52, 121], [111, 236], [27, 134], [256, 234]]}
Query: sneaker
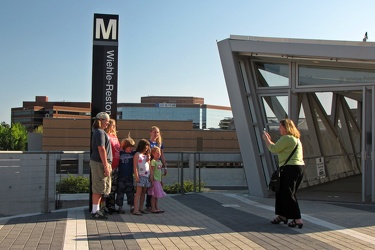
{"points": [[148, 209], [121, 210], [131, 209], [112, 210], [99, 215], [105, 210]]}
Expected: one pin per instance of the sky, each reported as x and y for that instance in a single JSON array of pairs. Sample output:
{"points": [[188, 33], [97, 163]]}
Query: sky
{"points": [[166, 47]]}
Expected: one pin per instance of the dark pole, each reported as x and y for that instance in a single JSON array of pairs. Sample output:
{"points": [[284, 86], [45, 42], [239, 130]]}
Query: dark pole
{"points": [[104, 69]]}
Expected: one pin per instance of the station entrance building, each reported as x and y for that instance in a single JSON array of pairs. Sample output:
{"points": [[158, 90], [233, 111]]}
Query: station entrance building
{"points": [[326, 87]]}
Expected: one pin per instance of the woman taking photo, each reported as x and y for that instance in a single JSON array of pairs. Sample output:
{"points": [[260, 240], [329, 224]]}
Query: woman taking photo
{"points": [[286, 204]]}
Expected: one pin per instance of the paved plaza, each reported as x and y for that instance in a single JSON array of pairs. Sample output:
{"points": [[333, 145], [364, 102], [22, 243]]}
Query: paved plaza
{"points": [[209, 220]]}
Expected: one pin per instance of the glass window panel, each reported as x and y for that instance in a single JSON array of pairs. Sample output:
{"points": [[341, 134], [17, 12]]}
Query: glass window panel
{"points": [[270, 116], [275, 107], [312, 75], [325, 99], [201, 117], [302, 116], [272, 74], [353, 104], [22, 112]]}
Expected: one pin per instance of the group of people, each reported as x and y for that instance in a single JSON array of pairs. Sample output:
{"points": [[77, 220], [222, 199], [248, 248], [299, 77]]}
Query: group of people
{"points": [[118, 170]]}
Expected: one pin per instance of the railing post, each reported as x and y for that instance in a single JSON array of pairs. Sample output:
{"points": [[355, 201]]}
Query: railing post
{"points": [[182, 190], [46, 188], [195, 173], [58, 203], [199, 172], [80, 164]]}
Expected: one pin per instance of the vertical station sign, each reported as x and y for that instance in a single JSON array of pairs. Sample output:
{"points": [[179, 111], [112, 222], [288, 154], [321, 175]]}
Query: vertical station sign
{"points": [[104, 69], [105, 65]]}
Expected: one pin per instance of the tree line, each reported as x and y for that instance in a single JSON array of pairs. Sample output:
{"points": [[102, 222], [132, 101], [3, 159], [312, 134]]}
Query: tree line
{"points": [[13, 137]]}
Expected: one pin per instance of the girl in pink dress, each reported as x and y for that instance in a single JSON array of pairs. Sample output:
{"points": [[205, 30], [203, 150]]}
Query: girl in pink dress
{"points": [[156, 189]]}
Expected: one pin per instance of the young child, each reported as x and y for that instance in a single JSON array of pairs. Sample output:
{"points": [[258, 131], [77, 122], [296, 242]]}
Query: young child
{"points": [[156, 140], [141, 170], [156, 189], [125, 180]]}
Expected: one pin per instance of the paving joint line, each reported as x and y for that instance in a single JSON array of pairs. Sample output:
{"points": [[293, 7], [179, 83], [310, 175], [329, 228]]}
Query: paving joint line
{"points": [[319, 222]]}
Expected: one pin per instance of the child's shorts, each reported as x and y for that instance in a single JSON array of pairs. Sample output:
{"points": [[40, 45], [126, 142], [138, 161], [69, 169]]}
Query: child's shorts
{"points": [[143, 182]]}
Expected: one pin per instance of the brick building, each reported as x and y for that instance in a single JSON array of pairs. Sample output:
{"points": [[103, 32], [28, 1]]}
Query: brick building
{"points": [[31, 113]]}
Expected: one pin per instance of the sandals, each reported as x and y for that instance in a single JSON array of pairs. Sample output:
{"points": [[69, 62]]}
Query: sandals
{"points": [[137, 213], [279, 219], [157, 211], [293, 223]]}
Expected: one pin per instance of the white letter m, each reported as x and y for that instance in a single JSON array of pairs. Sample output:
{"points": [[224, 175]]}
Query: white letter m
{"points": [[112, 26]]}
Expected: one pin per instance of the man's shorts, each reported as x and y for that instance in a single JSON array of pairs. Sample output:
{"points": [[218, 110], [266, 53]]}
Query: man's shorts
{"points": [[100, 184]]}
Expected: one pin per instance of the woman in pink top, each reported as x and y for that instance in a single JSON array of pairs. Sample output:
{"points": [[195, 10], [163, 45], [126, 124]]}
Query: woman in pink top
{"points": [[115, 144]]}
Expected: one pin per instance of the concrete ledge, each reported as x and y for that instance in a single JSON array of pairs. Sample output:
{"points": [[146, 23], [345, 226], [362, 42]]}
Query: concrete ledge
{"points": [[72, 197]]}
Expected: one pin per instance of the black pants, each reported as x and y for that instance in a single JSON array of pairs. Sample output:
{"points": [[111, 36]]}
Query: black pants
{"points": [[148, 200], [125, 185], [110, 200], [286, 201]]}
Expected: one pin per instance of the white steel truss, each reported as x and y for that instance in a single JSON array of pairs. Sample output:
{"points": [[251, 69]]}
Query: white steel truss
{"points": [[326, 87]]}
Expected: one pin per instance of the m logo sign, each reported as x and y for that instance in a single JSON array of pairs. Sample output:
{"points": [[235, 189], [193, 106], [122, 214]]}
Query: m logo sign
{"points": [[105, 65], [105, 27]]}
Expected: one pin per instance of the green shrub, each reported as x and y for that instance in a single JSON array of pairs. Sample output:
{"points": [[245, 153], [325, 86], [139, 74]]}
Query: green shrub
{"points": [[73, 184], [188, 187], [172, 189], [78, 184]]}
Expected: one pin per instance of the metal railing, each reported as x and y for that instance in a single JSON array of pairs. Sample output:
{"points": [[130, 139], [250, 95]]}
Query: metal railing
{"points": [[28, 179]]}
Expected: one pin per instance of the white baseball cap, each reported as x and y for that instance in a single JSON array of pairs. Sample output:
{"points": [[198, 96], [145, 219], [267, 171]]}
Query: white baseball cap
{"points": [[102, 116]]}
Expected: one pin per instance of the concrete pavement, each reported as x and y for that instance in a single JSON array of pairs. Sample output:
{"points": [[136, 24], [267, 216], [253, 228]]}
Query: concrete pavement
{"points": [[209, 220]]}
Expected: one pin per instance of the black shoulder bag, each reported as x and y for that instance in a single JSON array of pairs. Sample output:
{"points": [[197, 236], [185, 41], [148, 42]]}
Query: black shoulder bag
{"points": [[274, 184]]}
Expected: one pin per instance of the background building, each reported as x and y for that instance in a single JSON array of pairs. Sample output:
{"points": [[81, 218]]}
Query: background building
{"points": [[166, 108], [172, 108], [67, 125], [31, 114], [74, 135]]}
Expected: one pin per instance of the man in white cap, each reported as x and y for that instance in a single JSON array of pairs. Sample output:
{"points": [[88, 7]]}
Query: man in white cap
{"points": [[100, 163]]}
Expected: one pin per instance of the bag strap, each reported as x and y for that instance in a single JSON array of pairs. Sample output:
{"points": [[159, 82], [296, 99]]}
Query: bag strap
{"points": [[294, 150]]}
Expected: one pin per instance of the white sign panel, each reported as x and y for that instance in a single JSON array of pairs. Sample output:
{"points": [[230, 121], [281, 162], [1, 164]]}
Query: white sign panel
{"points": [[167, 105], [320, 167]]}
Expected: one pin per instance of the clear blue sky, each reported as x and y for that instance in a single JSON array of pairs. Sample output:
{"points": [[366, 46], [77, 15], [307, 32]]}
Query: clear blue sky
{"points": [[166, 47]]}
